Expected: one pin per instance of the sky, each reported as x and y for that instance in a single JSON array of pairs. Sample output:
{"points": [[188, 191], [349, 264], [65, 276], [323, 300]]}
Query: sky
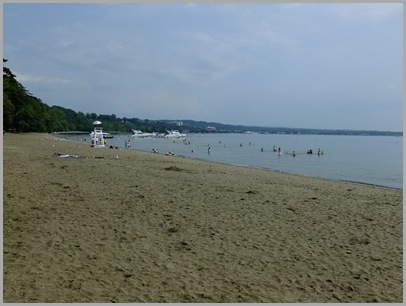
{"points": [[303, 65]]}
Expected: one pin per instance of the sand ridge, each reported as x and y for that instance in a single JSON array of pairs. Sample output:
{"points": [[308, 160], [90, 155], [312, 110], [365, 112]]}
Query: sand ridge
{"points": [[147, 227]]}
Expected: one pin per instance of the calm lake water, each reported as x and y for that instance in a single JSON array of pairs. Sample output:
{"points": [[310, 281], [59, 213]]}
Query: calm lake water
{"points": [[376, 160]]}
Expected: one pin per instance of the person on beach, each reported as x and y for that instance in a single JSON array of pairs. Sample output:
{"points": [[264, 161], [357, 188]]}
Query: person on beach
{"points": [[125, 143]]}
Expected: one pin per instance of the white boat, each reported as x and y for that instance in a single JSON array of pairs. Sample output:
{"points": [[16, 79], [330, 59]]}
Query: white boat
{"points": [[174, 134], [140, 134]]}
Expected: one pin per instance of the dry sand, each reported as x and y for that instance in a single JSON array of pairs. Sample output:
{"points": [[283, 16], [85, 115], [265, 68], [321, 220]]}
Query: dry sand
{"points": [[153, 228]]}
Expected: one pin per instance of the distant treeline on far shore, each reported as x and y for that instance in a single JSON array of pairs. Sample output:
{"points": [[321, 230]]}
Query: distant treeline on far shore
{"points": [[22, 112], [212, 127]]}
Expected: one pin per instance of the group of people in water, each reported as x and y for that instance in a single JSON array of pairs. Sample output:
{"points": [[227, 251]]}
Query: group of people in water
{"points": [[278, 150], [274, 149], [310, 151]]}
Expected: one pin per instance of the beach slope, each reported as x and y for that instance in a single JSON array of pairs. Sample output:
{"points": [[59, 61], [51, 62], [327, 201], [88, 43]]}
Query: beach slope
{"points": [[142, 227]]}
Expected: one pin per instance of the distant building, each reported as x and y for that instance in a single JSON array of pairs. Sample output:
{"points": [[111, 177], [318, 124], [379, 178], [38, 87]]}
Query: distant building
{"points": [[211, 129]]}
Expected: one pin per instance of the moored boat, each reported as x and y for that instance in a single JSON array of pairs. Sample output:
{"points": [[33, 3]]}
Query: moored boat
{"points": [[174, 134], [138, 133]]}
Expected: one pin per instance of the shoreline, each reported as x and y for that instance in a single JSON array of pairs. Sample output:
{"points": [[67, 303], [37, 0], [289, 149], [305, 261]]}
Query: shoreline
{"points": [[329, 176], [267, 169], [146, 227], [288, 173]]}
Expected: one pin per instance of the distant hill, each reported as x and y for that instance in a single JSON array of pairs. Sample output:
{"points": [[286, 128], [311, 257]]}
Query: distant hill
{"points": [[213, 127]]}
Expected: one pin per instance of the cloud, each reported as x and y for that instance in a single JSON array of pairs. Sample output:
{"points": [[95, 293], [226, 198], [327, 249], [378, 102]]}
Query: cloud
{"points": [[47, 80], [164, 104], [64, 43], [239, 11], [196, 58], [211, 61], [393, 87], [271, 38], [370, 11], [191, 5]]}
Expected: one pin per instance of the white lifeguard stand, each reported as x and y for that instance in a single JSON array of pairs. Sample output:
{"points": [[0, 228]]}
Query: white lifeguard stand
{"points": [[97, 138]]}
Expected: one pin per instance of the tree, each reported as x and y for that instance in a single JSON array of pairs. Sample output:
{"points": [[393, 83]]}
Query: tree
{"points": [[8, 112]]}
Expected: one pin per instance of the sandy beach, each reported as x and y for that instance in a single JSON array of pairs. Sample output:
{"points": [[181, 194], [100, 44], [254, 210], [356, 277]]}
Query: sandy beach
{"points": [[141, 227]]}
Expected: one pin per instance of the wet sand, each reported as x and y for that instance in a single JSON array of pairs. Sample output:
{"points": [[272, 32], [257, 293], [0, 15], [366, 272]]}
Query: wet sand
{"points": [[147, 227]]}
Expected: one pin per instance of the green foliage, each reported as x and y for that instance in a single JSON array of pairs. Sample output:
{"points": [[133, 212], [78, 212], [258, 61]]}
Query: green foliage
{"points": [[8, 111]]}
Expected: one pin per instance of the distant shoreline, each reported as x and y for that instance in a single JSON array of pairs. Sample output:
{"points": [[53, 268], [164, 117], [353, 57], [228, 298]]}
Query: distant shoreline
{"points": [[316, 132]]}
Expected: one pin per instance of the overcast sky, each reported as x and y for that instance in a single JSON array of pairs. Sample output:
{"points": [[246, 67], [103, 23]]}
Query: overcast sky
{"points": [[310, 65]]}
